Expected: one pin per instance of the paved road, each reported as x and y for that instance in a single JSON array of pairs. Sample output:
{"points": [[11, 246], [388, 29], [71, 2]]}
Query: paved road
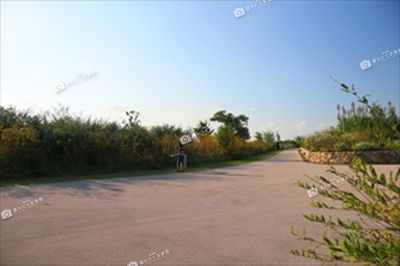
{"points": [[230, 216]]}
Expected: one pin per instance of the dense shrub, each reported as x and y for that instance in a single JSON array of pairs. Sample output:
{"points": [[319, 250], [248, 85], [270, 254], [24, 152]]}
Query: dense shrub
{"points": [[341, 146], [358, 129], [321, 141], [365, 146], [290, 144], [57, 142], [393, 145]]}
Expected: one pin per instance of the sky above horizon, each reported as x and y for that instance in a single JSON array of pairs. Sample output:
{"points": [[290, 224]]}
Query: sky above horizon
{"points": [[179, 62]]}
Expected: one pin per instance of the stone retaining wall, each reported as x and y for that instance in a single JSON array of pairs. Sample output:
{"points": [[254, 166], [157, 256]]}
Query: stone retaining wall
{"points": [[345, 157]]}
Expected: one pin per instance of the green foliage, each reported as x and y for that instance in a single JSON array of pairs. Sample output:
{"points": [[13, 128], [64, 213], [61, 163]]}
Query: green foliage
{"points": [[365, 127], [373, 238], [386, 118], [57, 142], [393, 145], [290, 144], [225, 137], [322, 141], [133, 118], [269, 138], [238, 123], [341, 146], [365, 146]]}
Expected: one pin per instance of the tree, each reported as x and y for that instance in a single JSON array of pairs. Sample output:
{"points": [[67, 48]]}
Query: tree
{"points": [[133, 118], [258, 136], [268, 139], [238, 123], [225, 137]]}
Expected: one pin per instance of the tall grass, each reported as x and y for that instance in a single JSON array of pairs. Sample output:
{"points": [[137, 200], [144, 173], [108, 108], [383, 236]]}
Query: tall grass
{"points": [[359, 128], [57, 142]]}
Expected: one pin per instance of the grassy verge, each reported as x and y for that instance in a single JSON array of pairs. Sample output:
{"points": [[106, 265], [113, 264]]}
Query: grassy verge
{"points": [[133, 172]]}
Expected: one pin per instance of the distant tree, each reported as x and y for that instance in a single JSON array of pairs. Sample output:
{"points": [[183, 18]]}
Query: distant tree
{"points": [[133, 118], [299, 140], [268, 139], [160, 131], [258, 136], [238, 123], [225, 137]]}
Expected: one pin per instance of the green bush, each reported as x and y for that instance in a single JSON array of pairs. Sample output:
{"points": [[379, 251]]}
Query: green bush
{"points": [[393, 145], [290, 144], [57, 142], [341, 147], [365, 146], [366, 127], [321, 141]]}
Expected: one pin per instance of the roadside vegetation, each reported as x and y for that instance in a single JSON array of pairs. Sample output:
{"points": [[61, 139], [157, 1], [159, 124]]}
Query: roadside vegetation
{"points": [[360, 128], [56, 143], [373, 238]]}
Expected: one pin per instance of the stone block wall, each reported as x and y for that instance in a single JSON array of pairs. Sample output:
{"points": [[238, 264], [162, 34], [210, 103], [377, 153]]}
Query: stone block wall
{"points": [[345, 157]]}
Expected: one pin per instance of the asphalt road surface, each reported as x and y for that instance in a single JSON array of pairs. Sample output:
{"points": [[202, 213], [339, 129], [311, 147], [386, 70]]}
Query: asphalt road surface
{"points": [[230, 216]]}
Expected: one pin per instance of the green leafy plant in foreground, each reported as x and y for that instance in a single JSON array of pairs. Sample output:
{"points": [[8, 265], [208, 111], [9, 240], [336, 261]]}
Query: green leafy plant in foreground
{"points": [[373, 238]]}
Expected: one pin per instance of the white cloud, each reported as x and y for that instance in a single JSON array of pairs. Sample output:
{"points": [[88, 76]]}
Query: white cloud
{"points": [[285, 130], [113, 112], [301, 125], [253, 109], [175, 115], [270, 125], [35, 105], [323, 126]]}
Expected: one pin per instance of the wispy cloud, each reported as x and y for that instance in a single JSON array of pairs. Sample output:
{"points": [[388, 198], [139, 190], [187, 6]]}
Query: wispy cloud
{"points": [[112, 112], [301, 125], [323, 126]]}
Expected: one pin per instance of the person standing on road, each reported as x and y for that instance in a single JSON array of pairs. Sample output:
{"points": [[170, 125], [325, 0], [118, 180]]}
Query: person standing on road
{"points": [[278, 141], [181, 158]]}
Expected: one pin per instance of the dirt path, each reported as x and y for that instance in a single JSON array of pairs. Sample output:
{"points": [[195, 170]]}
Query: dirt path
{"points": [[229, 216]]}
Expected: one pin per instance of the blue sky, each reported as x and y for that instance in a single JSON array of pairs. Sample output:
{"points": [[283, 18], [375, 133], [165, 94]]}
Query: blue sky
{"points": [[178, 62]]}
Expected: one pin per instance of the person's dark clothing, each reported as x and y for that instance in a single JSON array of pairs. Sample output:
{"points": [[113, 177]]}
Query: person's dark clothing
{"points": [[181, 155]]}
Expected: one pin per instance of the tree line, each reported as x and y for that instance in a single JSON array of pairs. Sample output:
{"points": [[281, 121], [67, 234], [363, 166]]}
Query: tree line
{"points": [[57, 142]]}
